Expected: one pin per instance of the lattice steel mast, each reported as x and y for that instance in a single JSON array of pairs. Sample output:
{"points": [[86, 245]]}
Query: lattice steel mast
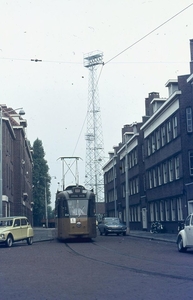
{"points": [[94, 135]]}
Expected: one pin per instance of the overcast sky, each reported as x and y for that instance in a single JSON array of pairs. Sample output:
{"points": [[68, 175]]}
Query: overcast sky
{"points": [[54, 92]]}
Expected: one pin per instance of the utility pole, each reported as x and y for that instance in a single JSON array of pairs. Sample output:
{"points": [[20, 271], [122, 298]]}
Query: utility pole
{"points": [[46, 205], [127, 190]]}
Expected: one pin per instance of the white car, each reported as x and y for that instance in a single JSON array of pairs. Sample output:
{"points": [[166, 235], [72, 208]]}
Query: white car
{"points": [[185, 236], [15, 229]]}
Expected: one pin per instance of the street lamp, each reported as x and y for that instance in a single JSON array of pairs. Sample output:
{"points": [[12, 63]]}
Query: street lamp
{"points": [[1, 151], [46, 206]]}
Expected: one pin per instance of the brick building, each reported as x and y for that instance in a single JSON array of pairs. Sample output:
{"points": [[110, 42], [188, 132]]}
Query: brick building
{"points": [[16, 166], [153, 165]]}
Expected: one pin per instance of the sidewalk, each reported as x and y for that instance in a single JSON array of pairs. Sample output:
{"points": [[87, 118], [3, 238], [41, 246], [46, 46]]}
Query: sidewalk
{"points": [[43, 234], [47, 234], [166, 237]]}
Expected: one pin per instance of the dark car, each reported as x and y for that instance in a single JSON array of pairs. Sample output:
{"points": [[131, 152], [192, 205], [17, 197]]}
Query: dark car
{"points": [[112, 225]]}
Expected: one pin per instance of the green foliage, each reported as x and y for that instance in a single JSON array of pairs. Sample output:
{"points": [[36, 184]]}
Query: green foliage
{"points": [[50, 212], [41, 182]]}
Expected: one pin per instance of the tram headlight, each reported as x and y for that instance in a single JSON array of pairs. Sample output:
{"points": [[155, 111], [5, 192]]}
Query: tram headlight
{"points": [[78, 224]]}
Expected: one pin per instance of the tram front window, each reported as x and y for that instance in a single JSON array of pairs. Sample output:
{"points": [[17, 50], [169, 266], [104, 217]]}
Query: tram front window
{"points": [[77, 207]]}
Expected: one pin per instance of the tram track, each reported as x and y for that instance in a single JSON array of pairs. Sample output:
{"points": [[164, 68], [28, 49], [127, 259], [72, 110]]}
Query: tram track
{"points": [[122, 266]]}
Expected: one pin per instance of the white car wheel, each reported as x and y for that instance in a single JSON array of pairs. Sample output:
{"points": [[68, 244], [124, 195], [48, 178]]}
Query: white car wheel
{"points": [[181, 248], [9, 241], [30, 241]]}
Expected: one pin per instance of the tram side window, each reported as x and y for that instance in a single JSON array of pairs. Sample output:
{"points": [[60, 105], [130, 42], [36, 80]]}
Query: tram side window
{"points": [[62, 209]]}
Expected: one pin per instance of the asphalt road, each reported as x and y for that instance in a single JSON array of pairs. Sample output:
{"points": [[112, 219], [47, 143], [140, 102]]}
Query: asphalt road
{"points": [[109, 267]]}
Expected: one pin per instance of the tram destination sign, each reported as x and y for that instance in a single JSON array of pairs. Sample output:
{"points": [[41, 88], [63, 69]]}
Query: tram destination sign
{"points": [[77, 195]]}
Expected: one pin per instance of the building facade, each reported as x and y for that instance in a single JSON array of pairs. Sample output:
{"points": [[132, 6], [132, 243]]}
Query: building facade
{"points": [[16, 166], [150, 173]]}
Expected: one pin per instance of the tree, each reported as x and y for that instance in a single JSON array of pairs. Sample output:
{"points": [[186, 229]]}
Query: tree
{"points": [[41, 182]]}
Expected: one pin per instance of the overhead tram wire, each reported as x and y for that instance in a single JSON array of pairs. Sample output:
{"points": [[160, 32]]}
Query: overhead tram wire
{"points": [[40, 60], [148, 34], [142, 38], [70, 62]]}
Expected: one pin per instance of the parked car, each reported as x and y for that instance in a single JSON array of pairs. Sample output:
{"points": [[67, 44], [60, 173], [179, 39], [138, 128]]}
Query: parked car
{"points": [[15, 229], [185, 236], [112, 225]]}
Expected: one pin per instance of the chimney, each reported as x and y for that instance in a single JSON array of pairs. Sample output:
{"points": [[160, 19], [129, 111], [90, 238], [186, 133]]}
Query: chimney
{"points": [[148, 106], [191, 56]]}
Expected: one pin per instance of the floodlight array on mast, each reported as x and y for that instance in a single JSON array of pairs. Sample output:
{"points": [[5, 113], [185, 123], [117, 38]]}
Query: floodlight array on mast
{"points": [[94, 134]]}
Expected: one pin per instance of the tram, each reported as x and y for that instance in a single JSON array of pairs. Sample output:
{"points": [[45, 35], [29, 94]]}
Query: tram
{"points": [[75, 213]]}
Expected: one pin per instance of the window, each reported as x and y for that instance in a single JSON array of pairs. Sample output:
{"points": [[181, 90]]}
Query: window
{"points": [[153, 143], [161, 211], [168, 126], [133, 160], [171, 177], [189, 119], [148, 147], [139, 212], [165, 173], [23, 222], [173, 209], [134, 186], [179, 209], [130, 162], [163, 135], [111, 196], [135, 213], [159, 175], [123, 190], [174, 128], [150, 179], [191, 162], [135, 157], [17, 223], [158, 139], [151, 212], [144, 182], [137, 185], [187, 222], [177, 167], [122, 166], [131, 188], [156, 212], [167, 210], [154, 178]]}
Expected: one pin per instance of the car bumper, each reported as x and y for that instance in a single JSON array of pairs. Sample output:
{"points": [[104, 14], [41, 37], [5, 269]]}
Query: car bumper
{"points": [[116, 230]]}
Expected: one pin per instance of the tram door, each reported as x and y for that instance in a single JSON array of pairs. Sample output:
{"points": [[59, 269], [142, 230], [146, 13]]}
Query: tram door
{"points": [[144, 217]]}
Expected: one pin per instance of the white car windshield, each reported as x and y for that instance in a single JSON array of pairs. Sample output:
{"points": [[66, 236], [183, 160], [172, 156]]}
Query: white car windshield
{"points": [[112, 221]]}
